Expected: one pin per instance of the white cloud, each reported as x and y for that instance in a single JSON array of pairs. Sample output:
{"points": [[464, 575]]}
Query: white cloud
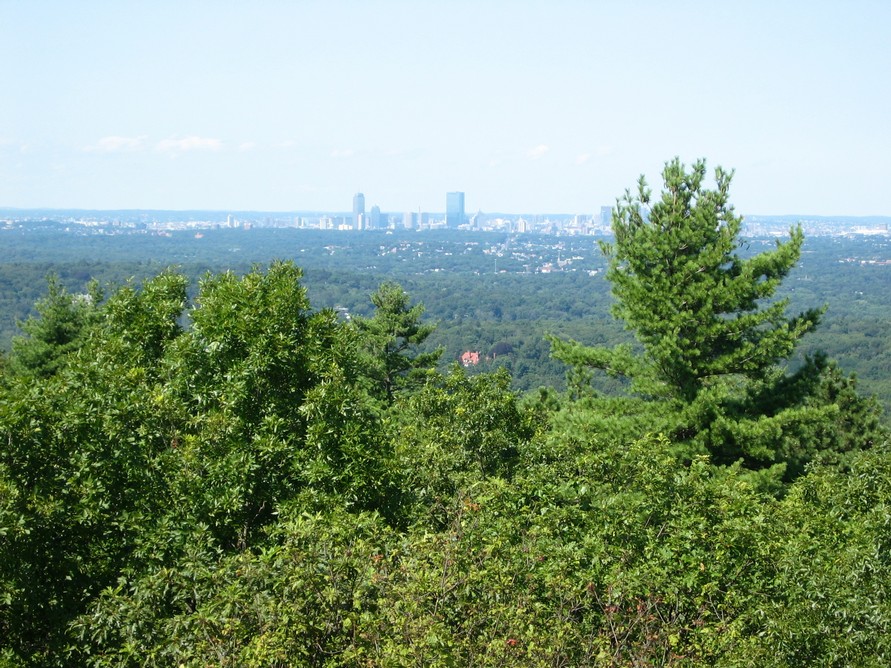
{"points": [[116, 144], [188, 144], [583, 158], [9, 145], [539, 151], [247, 146], [342, 153]]}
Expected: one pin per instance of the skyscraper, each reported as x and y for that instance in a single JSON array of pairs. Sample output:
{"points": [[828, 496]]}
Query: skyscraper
{"points": [[374, 218], [358, 210], [454, 209]]}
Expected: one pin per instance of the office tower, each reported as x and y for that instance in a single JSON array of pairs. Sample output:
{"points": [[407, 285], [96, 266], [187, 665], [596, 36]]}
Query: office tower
{"points": [[358, 210], [454, 209], [374, 218]]}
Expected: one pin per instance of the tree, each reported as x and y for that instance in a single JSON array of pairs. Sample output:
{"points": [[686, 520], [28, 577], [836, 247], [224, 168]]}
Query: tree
{"points": [[833, 567], [711, 340], [79, 466], [695, 305], [59, 328], [391, 337], [455, 431], [157, 447]]}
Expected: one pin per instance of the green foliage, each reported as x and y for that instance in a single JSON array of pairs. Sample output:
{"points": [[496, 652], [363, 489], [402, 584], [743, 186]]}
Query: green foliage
{"points": [[80, 469], [150, 428], [451, 274], [834, 569], [390, 339], [710, 340], [217, 482], [299, 601], [594, 554], [785, 421], [692, 301], [455, 431], [60, 328]]}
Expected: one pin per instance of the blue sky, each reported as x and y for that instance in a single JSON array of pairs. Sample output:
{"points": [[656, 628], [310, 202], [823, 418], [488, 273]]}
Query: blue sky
{"points": [[552, 106]]}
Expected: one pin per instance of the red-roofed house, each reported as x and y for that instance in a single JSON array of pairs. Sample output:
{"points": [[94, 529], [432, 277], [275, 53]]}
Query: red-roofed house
{"points": [[470, 358]]}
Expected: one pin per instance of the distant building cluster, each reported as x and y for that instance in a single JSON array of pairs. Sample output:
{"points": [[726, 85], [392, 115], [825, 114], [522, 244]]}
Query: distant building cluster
{"points": [[455, 218]]}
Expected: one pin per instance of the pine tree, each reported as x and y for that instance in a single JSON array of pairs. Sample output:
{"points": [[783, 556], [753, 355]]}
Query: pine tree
{"points": [[695, 305], [59, 328], [390, 340], [712, 341]]}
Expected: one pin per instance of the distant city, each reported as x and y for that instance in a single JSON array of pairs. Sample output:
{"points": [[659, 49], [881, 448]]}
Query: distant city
{"points": [[360, 219]]}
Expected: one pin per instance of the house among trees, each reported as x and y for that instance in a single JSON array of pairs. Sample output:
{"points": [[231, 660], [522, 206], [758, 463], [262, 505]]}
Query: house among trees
{"points": [[469, 358]]}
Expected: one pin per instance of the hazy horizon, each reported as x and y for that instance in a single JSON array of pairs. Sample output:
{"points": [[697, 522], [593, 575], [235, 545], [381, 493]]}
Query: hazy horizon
{"points": [[523, 106]]}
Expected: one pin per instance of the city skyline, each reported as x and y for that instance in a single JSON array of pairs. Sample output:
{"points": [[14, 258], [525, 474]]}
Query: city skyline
{"points": [[548, 107]]}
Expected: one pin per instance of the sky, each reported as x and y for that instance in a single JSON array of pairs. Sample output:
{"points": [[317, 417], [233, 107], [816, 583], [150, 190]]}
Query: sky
{"points": [[551, 106]]}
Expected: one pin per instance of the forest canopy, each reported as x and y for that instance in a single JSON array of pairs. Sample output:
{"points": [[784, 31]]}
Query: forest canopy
{"points": [[223, 475]]}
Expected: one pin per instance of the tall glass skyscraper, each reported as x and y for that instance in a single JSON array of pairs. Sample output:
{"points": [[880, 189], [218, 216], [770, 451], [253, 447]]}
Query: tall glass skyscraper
{"points": [[454, 209], [358, 210]]}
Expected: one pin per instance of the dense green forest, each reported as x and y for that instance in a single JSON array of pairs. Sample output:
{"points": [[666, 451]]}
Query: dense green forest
{"points": [[222, 472], [482, 290]]}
